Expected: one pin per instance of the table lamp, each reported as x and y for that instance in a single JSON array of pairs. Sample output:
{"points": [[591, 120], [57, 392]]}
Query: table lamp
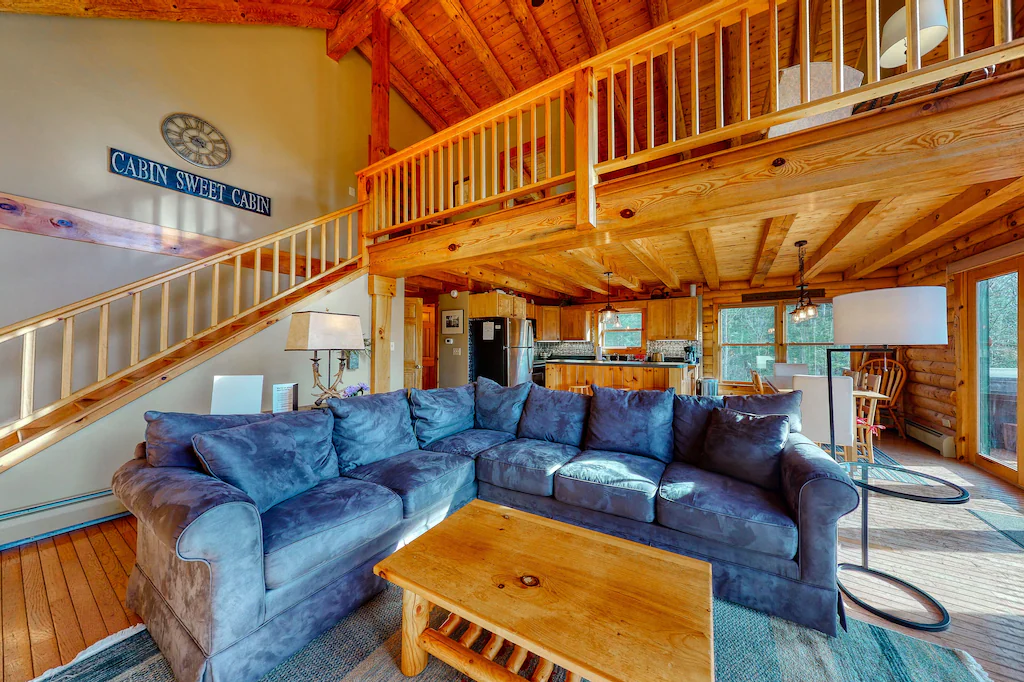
{"points": [[317, 331]]}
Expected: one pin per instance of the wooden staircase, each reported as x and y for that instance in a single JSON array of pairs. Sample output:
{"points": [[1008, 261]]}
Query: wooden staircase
{"points": [[318, 257]]}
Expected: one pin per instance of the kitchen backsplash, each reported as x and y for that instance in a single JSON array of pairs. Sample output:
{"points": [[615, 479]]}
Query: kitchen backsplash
{"points": [[673, 349]]}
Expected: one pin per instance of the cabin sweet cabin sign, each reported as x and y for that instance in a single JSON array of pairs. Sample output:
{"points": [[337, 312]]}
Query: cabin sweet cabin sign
{"points": [[160, 174]]}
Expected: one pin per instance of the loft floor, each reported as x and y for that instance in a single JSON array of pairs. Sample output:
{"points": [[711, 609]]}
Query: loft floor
{"points": [[59, 595]]}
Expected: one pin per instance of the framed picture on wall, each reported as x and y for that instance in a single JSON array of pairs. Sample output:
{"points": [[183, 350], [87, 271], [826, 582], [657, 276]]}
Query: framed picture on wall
{"points": [[453, 322], [465, 191], [509, 177]]}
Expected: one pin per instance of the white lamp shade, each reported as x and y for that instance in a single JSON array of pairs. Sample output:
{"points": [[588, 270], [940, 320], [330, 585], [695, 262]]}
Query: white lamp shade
{"points": [[894, 35], [903, 316], [313, 330]]}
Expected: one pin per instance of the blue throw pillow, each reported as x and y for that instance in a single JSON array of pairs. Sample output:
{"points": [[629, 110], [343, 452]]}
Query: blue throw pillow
{"points": [[774, 403], [498, 408], [690, 419], [169, 434], [746, 446], [369, 428], [633, 422], [265, 459], [554, 416], [442, 412]]}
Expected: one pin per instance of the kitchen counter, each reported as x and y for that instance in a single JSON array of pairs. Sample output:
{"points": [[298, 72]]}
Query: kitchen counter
{"points": [[620, 363], [567, 375]]}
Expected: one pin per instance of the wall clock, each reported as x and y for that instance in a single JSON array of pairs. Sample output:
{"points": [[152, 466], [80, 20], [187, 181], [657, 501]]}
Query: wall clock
{"points": [[195, 140]]}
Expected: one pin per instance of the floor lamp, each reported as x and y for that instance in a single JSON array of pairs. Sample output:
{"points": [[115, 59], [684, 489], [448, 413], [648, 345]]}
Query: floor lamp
{"points": [[876, 321]]}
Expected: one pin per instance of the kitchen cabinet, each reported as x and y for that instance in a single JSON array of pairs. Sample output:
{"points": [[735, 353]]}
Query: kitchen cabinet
{"points": [[532, 312], [519, 307], [574, 323], [672, 319], [496, 304], [549, 323]]}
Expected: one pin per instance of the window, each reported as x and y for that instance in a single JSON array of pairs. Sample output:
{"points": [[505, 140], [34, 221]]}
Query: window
{"points": [[756, 337], [628, 335]]}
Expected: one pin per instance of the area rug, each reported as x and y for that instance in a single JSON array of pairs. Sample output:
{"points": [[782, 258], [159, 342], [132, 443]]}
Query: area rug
{"points": [[749, 647], [1010, 525]]}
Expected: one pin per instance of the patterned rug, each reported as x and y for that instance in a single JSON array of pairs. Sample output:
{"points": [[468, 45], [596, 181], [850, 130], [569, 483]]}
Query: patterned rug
{"points": [[1010, 525], [749, 647]]}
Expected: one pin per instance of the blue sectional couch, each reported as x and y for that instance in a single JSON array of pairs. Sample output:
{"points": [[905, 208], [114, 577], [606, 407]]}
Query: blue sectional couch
{"points": [[257, 533]]}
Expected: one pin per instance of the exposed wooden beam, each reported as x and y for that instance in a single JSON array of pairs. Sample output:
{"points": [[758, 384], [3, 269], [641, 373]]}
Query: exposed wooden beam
{"points": [[497, 277], [185, 11], [598, 263], [355, 24], [478, 46], [705, 249], [815, 169], [569, 270], [970, 204], [535, 38], [774, 235], [408, 92], [646, 252], [439, 281], [436, 66], [819, 259], [543, 277], [380, 88]]}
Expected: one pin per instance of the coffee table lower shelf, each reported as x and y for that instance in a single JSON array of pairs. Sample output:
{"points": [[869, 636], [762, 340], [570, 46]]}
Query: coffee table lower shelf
{"points": [[419, 642]]}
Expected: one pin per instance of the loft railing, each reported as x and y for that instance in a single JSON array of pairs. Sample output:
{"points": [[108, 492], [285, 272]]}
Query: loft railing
{"points": [[261, 272], [602, 114]]}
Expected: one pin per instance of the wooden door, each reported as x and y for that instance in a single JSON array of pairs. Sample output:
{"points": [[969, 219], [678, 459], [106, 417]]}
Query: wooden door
{"points": [[659, 320], [429, 352], [684, 319], [413, 342]]}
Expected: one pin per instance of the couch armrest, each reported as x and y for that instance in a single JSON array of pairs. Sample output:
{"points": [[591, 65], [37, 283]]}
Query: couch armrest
{"points": [[819, 493], [201, 545]]}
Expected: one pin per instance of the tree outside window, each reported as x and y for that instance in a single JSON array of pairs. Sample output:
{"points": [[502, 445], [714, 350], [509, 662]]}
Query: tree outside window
{"points": [[627, 335]]}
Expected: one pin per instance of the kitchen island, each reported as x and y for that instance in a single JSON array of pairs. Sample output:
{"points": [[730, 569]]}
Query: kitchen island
{"points": [[626, 374]]}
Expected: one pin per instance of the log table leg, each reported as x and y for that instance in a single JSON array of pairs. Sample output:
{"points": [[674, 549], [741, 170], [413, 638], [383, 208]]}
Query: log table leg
{"points": [[415, 616]]}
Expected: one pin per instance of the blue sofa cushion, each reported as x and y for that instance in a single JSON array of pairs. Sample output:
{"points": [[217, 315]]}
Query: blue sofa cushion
{"points": [[691, 415], [169, 434], [721, 508], [776, 403], [270, 460], [326, 522], [442, 412], [554, 416], [611, 482], [525, 465], [746, 446], [498, 408], [369, 428], [422, 479], [634, 422], [470, 443]]}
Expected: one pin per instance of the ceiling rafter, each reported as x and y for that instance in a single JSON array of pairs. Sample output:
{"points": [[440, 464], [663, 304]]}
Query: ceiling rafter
{"points": [[497, 277], [705, 249], [440, 281], [355, 25], [188, 11], [599, 263], [535, 38], [857, 217], [972, 203], [646, 252], [408, 92], [416, 41], [478, 46], [543, 278], [772, 239], [569, 270]]}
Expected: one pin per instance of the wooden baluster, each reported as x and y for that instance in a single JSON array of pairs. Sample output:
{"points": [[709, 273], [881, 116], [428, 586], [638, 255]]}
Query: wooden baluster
{"points": [[745, 64], [165, 314], [135, 340], [483, 162], [190, 308], [215, 289], [773, 54], [694, 86], [67, 358], [348, 239], [838, 53], [450, 187], [103, 346], [719, 79], [337, 239], [507, 181], [396, 204], [292, 256], [610, 92], [650, 99], [323, 248], [561, 131], [805, 50], [422, 208], [275, 286], [257, 275], [914, 35], [309, 253], [534, 174], [378, 198], [409, 193], [519, 158], [430, 180], [472, 167], [1002, 21], [28, 372], [494, 158], [670, 92], [236, 305], [955, 38], [549, 152], [630, 123]]}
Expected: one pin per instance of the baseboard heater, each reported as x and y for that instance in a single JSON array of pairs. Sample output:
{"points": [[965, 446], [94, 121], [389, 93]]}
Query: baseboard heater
{"points": [[945, 444]]}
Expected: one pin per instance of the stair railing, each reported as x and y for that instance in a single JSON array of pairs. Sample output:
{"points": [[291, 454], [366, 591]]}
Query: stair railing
{"points": [[310, 251]]}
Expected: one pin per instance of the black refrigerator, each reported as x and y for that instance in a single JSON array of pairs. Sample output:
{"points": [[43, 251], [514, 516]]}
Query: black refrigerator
{"points": [[501, 349]]}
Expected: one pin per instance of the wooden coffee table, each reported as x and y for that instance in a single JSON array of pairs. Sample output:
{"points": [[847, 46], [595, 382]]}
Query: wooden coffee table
{"points": [[603, 608]]}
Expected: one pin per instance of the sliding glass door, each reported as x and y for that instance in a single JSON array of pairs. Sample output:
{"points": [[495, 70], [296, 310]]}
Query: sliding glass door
{"points": [[994, 293]]}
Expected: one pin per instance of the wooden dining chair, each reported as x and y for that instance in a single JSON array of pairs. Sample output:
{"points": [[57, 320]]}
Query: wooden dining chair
{"points": [[894, 376], [866, 413]]}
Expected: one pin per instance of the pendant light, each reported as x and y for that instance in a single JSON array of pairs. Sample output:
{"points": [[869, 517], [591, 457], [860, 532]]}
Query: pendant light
{"points": [[609, 314], [805, 309]]}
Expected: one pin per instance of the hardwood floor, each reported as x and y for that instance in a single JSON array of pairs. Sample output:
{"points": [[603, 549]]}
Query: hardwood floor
{"points": [[59, 595]]}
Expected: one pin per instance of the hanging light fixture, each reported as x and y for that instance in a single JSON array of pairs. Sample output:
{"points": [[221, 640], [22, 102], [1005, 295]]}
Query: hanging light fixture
{"points": [[609, 314], [805, 309]]}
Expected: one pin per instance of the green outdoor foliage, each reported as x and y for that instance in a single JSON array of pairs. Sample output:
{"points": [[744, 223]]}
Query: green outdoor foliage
{"points": [[629, 337]]}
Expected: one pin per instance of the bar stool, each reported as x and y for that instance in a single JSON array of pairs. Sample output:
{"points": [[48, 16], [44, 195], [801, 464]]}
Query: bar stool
{"points": [[582, 390]]}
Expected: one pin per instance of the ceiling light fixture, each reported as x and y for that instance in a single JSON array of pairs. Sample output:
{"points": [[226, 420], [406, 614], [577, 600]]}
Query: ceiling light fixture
{"points": [[609, 314], [805, 309]]}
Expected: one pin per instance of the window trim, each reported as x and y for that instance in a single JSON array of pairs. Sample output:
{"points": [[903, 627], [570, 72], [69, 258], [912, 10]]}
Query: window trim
{"points": [[626, 350]]}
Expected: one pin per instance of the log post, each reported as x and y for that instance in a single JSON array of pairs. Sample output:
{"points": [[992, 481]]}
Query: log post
{"points": [[380, 88], [382, 292], [586, 148], [415, 614]]}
